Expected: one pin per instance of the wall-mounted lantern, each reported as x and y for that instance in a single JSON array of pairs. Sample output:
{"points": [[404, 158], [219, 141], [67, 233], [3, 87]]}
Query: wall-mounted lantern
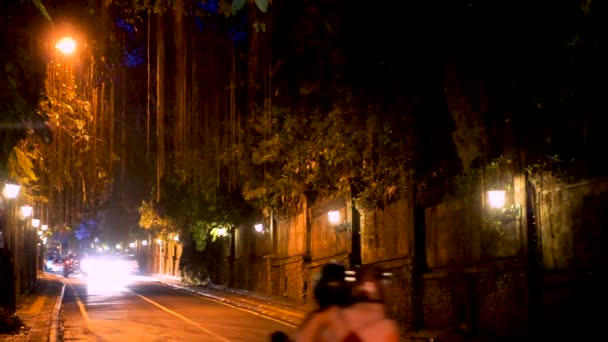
{"points": [[334, 219], [499, 209], [35, 223], [44, 227], [144, 242], [222, 232], [259, 227], [496, 198]]}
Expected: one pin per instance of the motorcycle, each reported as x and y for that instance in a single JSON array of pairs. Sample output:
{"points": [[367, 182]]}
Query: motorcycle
{"points": [[71, 265]]}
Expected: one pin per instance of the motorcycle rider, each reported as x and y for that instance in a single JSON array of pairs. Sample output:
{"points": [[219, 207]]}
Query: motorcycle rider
{"points": [[362, 319], [332, 290]]}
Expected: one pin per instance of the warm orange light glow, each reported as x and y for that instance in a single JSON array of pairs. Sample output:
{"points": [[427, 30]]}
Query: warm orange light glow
{"points": [[66, 45]]}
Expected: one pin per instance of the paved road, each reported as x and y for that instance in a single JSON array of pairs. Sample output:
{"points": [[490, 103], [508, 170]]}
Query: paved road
{"points": [[144, 310]]}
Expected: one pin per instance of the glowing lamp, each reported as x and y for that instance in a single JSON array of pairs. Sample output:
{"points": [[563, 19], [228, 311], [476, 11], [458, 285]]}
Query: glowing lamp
{"points": [[496, 198], [66, 45], [11, 190], [334, 216]]}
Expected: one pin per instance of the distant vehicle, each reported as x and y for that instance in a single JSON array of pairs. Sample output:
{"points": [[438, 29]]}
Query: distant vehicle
{"points": [[71, 265], [54, 263], [130, 263], [48, 263]]}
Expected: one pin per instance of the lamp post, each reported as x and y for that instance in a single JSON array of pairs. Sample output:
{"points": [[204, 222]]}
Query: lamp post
{"points": [[7, 246], [22, 261], [36, 225], [160, 258]]}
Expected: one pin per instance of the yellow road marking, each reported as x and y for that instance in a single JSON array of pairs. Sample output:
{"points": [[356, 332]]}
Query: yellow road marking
{"points": [[81, 307], [182, 317]]}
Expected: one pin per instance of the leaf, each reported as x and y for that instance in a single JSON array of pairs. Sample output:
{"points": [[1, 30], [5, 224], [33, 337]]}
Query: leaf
{"points": [[40, 6], [262, 5], [237, 5]]}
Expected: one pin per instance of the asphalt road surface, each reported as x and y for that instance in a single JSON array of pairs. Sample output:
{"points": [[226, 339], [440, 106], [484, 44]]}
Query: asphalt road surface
{"points": [[144, 310]]}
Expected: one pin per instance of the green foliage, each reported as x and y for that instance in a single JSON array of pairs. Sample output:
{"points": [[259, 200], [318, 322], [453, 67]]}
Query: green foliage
{"points": [[42, 9], [151, 218], [319, 153], [21, 82], [207, 232], [566, 171], [496, 174], [195, 207]]}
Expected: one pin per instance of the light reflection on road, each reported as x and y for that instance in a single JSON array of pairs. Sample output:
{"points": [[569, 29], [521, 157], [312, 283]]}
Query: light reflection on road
{"points": [[106, 275]]}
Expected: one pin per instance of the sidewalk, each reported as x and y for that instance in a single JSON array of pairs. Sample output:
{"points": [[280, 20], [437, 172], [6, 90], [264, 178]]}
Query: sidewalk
{"points": [[40, 311]]}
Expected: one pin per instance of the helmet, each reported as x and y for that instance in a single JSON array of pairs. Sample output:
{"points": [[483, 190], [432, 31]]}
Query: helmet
{"points": [[332, 289]]}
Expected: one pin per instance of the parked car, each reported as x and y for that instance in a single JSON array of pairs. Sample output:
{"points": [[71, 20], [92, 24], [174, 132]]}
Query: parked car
{"points": [[54, 264]]}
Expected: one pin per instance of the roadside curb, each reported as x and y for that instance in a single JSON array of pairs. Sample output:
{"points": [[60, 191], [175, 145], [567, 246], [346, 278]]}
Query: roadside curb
{"points": [[56, 315], [236, 304]]}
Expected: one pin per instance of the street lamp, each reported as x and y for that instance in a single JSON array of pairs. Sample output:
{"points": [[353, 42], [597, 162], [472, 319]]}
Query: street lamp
{"points": [[66, 45], [35, 223], [11, 190], [26, 211]]}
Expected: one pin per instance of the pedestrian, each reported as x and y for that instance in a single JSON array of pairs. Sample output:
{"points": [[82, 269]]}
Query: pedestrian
{"points": [[364, 319]]}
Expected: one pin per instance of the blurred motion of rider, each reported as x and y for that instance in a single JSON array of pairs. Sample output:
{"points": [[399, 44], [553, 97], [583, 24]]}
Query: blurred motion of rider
{"points": [[363, 320], [332, 291]]}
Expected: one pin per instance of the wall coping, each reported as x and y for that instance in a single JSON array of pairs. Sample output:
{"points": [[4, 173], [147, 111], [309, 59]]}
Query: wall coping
{"points": [[392, 263], [479, 267], [290, 259], [552, 184], [321, 208], [321, 261]]}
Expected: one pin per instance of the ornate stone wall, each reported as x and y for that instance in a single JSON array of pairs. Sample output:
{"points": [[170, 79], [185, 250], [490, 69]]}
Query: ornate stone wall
{"points": [[490, 301], [572, 223], [290, 276], [388, 233], [477, 278]]}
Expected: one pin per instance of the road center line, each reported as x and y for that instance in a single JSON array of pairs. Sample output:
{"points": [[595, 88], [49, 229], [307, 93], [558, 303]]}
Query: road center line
{"points": [[81, 307], [186, 319]]}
